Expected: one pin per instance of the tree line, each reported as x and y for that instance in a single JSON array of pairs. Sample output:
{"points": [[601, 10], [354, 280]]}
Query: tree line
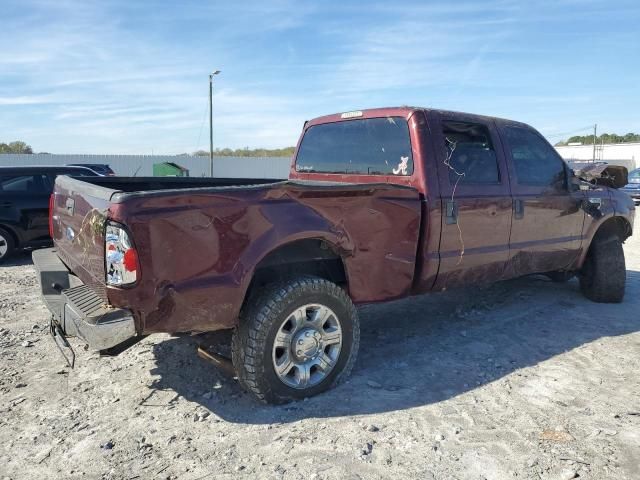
{"points": [[604, 138], [15, 147], [247, 152]]}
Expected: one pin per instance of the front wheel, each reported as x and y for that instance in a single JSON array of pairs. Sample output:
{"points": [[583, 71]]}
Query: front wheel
{"points": [[604, 274], [295, 340]]}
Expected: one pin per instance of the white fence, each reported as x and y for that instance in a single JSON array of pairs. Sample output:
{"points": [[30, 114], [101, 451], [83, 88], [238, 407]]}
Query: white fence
{"points": [[142, 165], [625, 154]]}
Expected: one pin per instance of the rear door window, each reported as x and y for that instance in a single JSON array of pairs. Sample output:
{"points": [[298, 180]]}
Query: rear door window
{"points": [[373, 146], [470, 154], [536, 163]]}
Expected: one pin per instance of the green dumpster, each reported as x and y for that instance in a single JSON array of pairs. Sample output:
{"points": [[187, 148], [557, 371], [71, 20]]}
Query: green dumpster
{"points": [[169, 169]]}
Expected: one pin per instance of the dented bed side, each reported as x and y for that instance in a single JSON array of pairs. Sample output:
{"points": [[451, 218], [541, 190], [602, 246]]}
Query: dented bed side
{"points": [[198, 249]]}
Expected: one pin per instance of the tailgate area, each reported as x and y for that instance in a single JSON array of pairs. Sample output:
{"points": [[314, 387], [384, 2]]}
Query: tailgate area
{"points": [[76, 308]]}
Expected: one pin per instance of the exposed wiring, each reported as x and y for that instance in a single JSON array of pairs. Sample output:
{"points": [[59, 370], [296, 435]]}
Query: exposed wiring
{"points": [[451, 146], [554, 135]]}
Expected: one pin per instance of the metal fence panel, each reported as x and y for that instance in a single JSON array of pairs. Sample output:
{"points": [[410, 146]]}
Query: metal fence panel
{"points": [[142, 165]]}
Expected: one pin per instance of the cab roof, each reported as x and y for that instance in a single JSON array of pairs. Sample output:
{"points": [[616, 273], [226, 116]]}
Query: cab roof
{"points": [[403, 111]]}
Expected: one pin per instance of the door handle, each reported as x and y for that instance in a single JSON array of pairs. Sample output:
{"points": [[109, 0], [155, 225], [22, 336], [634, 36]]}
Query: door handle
{"points": [[6, 204], [518, 208], [451, 212]]}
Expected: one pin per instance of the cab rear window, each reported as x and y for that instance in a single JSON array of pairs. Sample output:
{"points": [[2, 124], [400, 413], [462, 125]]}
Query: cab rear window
{"points": [[373, 146]]}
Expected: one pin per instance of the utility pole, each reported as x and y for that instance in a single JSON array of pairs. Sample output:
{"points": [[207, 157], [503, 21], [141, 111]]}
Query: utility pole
{"points": [[211, 121], [595, 129]]}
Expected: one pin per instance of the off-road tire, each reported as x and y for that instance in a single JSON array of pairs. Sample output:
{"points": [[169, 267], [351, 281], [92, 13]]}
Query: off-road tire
{"points": [[260, 319], [603, 275], [7, 239]]}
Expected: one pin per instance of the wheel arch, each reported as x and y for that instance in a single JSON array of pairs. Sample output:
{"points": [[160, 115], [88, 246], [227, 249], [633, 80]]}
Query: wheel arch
{"points": [[13, 233], [614, 225], [308, 256]]}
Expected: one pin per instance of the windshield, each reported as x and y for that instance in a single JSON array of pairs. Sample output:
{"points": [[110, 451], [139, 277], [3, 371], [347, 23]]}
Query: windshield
{"points": [[634, 176]]}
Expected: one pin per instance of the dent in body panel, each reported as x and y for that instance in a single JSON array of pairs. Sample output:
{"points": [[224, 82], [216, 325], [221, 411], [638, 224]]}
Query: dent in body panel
{"points": [[78, 232], [197, 262]]}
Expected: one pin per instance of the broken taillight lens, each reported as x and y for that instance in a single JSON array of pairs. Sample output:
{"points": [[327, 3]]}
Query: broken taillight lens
{"points": [[121, 258]]}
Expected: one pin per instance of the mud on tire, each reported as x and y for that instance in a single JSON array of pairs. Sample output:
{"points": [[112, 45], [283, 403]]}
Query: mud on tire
{"points": [[263, 324], [603, 274]]}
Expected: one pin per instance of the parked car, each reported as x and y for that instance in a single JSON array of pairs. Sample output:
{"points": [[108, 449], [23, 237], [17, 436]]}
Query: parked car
{"points": [[380, 204], [101, 169], [24, 205], [633, 187]]}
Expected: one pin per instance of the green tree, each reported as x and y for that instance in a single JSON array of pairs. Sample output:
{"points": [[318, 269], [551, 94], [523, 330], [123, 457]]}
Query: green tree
{"points": [[246, 152], [15, 147], [604, 138]]}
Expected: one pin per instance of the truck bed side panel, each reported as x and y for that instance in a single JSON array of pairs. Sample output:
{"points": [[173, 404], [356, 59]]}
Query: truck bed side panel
{"points": [[198, 251]]}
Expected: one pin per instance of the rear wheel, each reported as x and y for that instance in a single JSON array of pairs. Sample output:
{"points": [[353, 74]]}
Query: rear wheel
{"points": [[604, 274], [7, 245], [295, 339]]}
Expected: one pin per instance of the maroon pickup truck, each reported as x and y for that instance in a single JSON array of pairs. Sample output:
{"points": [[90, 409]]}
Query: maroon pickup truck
{"points": [[380, 204]]}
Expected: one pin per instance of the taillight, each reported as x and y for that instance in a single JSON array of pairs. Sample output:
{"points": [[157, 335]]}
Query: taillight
{"points": [[51, 204], [121, 258]]}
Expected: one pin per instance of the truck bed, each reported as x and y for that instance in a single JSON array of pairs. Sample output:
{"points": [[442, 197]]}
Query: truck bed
{"points": [[199, 240]]}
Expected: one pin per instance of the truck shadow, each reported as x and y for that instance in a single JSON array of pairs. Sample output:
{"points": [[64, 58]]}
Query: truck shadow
{"points": [[19, 259], [422, 350]]}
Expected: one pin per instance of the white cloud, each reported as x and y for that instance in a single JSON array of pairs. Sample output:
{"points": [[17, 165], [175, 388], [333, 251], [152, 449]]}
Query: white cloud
{"points": [[124, 77], [27, 100]]}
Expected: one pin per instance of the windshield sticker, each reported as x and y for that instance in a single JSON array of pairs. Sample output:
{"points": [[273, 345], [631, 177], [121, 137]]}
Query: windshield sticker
{"points": [[402, 166]]}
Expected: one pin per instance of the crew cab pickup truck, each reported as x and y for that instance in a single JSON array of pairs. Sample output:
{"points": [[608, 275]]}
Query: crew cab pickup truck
{"points": [[380, 204]]}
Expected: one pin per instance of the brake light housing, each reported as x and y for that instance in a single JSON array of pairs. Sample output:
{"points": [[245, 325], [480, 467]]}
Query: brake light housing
{"points": [[121, 257]]}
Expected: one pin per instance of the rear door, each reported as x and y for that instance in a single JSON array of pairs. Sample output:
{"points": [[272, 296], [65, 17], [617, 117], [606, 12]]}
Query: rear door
{"points": [[476, 200], [546, 233]]}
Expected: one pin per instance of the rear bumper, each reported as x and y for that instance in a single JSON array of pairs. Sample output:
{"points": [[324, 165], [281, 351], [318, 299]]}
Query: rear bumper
{"points": [[76, 308]]}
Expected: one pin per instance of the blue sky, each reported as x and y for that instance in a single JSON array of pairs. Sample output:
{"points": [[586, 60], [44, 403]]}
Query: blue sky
{"points": [[131, 77]]}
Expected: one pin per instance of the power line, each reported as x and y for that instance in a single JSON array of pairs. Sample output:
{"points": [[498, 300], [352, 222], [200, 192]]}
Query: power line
{"points": [[588, 127]]}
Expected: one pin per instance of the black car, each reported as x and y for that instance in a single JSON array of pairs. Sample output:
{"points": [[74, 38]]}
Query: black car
{"points": [[102, 169], [24, 205]]}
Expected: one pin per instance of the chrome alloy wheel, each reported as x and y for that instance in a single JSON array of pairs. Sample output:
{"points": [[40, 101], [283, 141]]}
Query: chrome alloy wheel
{"points": [[4, 246], [307, 346]]}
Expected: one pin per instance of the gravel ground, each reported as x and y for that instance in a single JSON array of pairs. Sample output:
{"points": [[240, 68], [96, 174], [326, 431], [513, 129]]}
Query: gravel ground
{"points": [[524, 379]]}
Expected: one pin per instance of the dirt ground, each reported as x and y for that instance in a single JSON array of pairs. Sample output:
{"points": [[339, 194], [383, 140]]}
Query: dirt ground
{"points": [[525, 379]]}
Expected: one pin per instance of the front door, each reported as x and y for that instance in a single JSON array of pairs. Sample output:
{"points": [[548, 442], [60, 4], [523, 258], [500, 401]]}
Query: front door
{"points": [[546, 232], [476, 200]]}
